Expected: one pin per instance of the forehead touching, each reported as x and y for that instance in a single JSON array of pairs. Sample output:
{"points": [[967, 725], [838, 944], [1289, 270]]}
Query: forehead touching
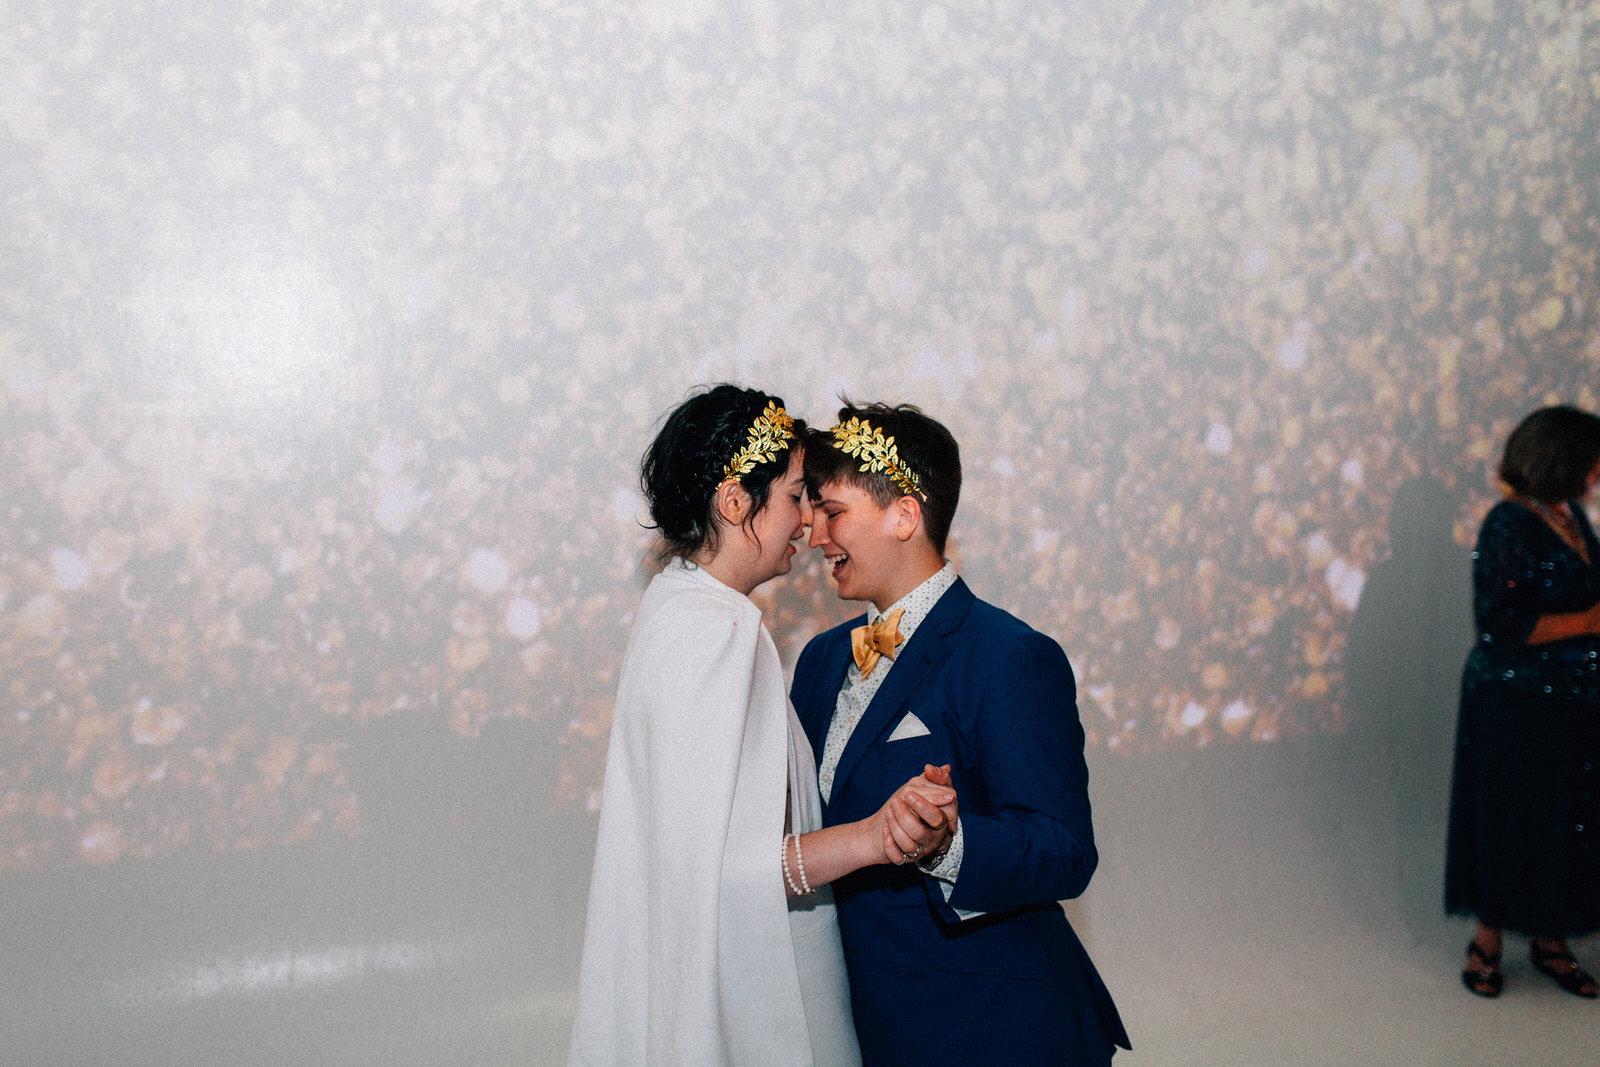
{"points": [[842, 491]]}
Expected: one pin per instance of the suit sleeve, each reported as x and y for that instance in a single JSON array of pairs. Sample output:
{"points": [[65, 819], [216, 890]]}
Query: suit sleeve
{"points": [[1028, 835]]}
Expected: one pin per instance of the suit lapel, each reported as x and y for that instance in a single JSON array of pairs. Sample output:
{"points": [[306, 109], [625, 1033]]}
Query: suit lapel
{"points": [[911, 666], [824, 693]]}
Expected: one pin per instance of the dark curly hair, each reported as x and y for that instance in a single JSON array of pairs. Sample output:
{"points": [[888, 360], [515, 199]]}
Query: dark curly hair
{"points": [[683, 466], [921, 441], [1551, 453]]}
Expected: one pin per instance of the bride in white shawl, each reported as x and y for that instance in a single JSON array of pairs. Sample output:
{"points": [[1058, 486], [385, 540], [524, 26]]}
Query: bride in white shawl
{"points": [[711, 932]]}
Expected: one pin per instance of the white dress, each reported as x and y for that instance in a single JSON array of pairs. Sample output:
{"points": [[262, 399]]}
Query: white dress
{"points": [[692, 955]]}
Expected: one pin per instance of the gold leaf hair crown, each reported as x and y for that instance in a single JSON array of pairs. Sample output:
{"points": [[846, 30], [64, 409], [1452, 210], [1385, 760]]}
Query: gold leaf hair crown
{"points": [[860, 440], [771, 433]]}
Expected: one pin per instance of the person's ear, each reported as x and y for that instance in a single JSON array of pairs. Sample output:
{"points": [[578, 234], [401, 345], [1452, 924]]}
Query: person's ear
{"points": [[907, 516], [732, 502]]}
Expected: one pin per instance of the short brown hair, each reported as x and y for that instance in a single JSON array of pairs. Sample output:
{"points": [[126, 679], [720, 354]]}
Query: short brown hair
{"points": [[1551, 453], [922, 443]]}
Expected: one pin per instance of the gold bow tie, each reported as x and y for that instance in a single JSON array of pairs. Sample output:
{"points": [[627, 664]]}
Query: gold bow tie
{"points": [[876, 639]]}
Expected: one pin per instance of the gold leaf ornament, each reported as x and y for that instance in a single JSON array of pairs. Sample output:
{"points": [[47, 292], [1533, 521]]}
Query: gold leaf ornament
{"points": [[771, 433], [861, 440]]}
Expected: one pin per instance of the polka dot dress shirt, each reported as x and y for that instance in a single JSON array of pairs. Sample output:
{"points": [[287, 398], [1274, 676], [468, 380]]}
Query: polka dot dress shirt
{"points": [[857, 693]]}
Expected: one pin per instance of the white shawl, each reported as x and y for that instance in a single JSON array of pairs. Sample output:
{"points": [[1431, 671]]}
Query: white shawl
{"points": [[688, 957]]}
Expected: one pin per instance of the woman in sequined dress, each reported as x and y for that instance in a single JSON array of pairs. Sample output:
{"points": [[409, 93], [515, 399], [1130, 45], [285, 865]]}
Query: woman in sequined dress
{"points": [[1524, 836]]}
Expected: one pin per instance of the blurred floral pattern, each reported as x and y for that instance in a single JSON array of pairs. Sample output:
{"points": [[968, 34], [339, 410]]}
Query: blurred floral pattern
{"points": [[331, 334]]}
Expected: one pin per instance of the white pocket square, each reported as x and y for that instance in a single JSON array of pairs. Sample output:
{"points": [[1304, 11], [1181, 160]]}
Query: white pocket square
{"points": [[910, 726]]}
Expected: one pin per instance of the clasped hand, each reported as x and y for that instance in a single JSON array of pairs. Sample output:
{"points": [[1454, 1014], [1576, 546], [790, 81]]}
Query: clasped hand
{"points": [[920, 817]]}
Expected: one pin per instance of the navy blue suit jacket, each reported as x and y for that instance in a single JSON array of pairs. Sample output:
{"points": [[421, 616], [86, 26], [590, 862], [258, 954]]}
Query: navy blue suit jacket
{"points": [[1013, 986]]}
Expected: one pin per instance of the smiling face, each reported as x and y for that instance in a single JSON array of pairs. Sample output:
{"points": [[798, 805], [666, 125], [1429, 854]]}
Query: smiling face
{"points": [[866, 544], [777, 526], [756, 548]]}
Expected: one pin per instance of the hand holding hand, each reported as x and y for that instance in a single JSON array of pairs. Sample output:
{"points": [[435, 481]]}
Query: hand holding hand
{"points": [[919, 818], [940, 776]]}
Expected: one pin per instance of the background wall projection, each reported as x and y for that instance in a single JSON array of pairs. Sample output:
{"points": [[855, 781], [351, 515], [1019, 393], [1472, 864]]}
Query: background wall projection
{"points": [[330, 335]]}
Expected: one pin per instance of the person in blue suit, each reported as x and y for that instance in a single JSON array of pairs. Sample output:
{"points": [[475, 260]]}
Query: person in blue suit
{"points": [[972, 936]]}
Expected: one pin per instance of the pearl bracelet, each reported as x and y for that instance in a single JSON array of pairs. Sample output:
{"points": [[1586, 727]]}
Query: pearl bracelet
{"points": [[800, 862], [804, 888], [794, 890]]}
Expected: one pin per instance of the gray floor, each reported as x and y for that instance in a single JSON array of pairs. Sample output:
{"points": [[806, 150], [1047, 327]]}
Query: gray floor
{"points": [[1253, 909], [1260, 905]]}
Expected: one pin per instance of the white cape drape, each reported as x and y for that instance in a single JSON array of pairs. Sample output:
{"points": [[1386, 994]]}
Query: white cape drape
{"points": [[692, 954]]}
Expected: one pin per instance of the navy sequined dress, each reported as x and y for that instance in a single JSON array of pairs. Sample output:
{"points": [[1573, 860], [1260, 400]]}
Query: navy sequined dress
{"points": [[1524, 838]]}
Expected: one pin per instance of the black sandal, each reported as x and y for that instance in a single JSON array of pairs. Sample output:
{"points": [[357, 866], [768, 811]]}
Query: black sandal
{"points": [[1482, 979], [1560, 964]]}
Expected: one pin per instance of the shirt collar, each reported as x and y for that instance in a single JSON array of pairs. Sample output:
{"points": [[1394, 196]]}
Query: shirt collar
{"points": [[917, 603]]}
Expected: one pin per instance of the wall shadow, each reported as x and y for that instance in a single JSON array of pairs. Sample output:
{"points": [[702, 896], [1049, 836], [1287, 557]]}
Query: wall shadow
{"points": [[1389, 796]]}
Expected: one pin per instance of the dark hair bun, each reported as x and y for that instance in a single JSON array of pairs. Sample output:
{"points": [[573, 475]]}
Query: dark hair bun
{"points": [[683, 466]]}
